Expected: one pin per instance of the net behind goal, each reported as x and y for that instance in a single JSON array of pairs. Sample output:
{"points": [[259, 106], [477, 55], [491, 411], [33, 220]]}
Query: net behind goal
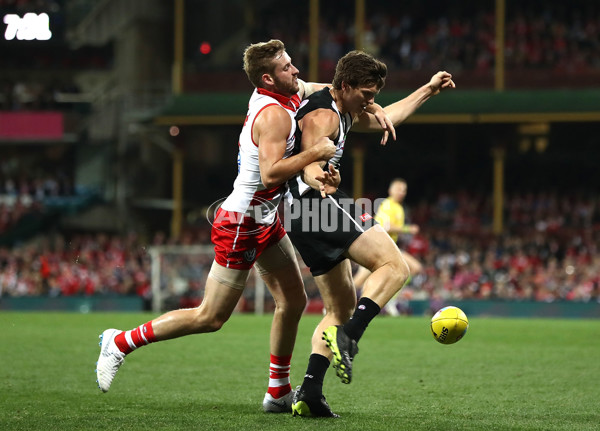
{"points": [[179, 276]]}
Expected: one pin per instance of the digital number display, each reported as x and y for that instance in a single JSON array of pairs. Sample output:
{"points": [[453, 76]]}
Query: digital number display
{"points": [[31, 27]]}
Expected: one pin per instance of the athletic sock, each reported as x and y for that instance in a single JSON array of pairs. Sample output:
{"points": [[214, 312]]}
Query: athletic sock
{"points": [[365, 311], [315, 374], [279, 376], [128, 341]]}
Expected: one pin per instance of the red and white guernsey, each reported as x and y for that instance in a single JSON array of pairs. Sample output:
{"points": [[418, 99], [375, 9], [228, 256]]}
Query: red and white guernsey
{"points": [[249, 196], [246, 223]]}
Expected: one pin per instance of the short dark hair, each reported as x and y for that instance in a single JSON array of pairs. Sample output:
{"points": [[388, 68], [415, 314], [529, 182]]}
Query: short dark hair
{"points": [[258, 59], [357, 69]]}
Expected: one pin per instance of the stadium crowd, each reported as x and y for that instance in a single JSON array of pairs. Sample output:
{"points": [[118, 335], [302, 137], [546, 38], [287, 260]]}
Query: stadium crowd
{"points": [[549, 253], [22, 197], [539, 35], [25, 192], [550, 247], [81, 265]]}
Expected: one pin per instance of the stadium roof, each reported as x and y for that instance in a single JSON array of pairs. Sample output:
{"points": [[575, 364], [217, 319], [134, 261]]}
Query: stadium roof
{"points": [[458, 106]]}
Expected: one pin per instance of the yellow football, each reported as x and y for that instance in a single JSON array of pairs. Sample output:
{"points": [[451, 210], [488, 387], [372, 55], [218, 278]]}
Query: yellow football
{"points": [[449, 325]]}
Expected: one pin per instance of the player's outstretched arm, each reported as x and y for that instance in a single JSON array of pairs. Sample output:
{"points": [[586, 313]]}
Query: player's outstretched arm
{"points": [[402, 109], [270, 133], [399, 111]]}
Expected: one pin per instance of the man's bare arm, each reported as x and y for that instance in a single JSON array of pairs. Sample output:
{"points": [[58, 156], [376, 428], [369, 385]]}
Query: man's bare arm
{"points": [[308, 88], [399, 111], [316, 125], [270, 133]]}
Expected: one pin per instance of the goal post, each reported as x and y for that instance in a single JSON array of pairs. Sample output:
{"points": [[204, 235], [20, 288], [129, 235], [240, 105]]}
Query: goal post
{"points": [[179, 273]]}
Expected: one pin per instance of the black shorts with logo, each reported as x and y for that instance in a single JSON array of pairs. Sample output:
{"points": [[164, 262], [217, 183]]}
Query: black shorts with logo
{"points": [[322, 229]]}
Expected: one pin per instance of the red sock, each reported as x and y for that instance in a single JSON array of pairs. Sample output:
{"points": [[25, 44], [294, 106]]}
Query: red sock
{"points": [[128, 341], [279, 376]]}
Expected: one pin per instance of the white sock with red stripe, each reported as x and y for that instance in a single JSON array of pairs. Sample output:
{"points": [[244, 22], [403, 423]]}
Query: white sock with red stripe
{"points": [[279, 376], [128, 341]]}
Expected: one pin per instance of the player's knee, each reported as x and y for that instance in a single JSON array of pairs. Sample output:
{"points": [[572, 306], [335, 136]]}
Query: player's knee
{"points": [[292, 305], [400, 271], [209, 322], [299, 304], [215, 324]]}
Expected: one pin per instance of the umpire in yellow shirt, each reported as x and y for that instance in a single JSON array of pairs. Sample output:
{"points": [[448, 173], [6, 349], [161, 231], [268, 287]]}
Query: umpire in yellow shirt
{"points": [[390, 215]]}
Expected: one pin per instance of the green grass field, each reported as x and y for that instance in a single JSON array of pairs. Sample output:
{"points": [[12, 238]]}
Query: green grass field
{"points": [[504, 375]]}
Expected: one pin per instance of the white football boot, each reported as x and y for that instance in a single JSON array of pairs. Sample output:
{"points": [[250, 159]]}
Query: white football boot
{"points": [[278, 405], [110, 359]]}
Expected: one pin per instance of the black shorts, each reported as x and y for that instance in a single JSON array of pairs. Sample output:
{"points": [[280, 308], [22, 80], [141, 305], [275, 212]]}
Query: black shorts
{"points": [[322, 229]]}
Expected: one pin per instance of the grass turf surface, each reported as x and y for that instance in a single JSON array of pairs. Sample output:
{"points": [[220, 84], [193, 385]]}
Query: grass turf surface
{"points": [[506, 374]]}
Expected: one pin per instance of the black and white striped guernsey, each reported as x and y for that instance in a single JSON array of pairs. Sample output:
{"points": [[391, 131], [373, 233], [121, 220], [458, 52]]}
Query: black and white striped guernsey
{"points": [[319, 100]]}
